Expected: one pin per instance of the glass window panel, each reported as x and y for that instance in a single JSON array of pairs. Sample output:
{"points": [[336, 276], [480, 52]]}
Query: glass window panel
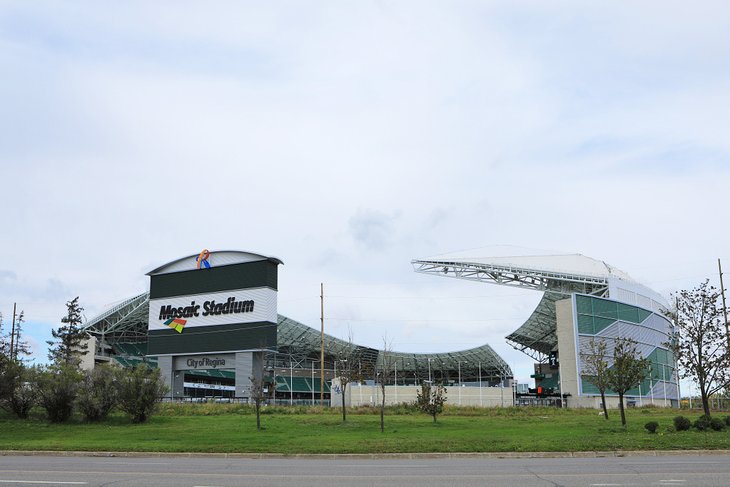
{"points": [[584, 305], [605, 309], [601, 323], [643, 314], [585, 324], [628, 313]]}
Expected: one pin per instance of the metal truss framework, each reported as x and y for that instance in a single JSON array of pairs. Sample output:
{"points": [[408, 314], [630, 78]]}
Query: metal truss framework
{"points": [[298, 347], [125, 322], [537, 336], [505, 275]]}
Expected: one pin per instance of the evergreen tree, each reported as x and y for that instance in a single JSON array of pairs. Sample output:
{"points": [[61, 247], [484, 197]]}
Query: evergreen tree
{"points": [[21, 348], [70, 340], [4, 341]]}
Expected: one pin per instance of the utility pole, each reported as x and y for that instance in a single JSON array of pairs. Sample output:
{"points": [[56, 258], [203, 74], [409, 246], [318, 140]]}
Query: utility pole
{"points": [[724, 307], [321, 343], [12, 335]]}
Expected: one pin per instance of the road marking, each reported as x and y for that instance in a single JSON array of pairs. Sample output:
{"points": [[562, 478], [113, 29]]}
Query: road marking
{"points": [[53, 482], [670, 481]]}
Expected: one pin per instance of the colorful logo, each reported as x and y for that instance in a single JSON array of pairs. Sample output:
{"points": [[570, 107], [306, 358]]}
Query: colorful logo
{"points": [[203, 259], [176, 324]]}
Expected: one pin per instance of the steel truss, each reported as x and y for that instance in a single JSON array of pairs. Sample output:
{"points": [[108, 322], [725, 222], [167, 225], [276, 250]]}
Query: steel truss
{"points": [[537, 336]]}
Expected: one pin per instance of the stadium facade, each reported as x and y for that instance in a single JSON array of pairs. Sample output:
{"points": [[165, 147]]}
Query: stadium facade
{"points": [[583, 299], [210, 323]]}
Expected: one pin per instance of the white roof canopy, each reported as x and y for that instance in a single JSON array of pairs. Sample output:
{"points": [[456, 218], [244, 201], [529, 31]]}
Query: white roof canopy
{"points": [[556, 275]]}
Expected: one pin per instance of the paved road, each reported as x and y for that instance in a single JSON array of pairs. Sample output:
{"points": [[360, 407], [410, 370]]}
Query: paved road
{"points": [[675, 470]]}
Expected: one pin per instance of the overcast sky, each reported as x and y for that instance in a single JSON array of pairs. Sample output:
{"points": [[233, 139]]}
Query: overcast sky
{"points": [[347, 138]]}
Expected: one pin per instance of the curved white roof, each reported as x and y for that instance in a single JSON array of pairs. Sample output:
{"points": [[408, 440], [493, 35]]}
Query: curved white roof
{"points": [[216, 258], [556, 275], [569, 264]]}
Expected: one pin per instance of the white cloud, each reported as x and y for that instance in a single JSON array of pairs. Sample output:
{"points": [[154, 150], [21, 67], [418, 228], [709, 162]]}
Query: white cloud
{"points": [[347, 139]]}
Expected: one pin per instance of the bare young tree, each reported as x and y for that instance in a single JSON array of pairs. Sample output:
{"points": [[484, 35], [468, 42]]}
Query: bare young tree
{"points": [[699, 342], [258, 395], [385, 370], [628, 370], [347, 369], [595, 367]]}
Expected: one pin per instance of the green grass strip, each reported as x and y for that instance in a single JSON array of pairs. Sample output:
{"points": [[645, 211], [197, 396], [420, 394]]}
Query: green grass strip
{"points": [[232, 428]]}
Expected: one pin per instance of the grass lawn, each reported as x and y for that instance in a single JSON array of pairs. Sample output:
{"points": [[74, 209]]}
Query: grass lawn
{"points": [[232, 428]]}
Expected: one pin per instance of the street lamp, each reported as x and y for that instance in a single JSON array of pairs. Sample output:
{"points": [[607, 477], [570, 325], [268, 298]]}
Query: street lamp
{"points": [[395, 368], [480, 384], [291, 383], [460, 385]]}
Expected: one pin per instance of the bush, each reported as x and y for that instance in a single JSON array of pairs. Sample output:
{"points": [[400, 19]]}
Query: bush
{"points": [[16, 394], [57, 387], [431, 399], [727, 420], [681, 423], [717, 424], [98, 393], [702, 423], [8, 378], [24, 396], [651, 426], [140, 390]]}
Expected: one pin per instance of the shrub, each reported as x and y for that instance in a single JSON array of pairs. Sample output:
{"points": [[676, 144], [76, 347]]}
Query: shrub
{"points": [[727, 420], [98, 393], [24, 396], [702, 423], [8, 378], [651, 426], [681, 423], [431, 399], [16, 394], [57, 387], [140, 390], [717, 424]]}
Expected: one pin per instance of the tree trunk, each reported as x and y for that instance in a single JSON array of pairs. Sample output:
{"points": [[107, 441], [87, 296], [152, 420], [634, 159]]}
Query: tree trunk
{"points": [[603, 403], [382, 411], [705, 403], [621, 408], [434, 417], [258, 415], [344, 411]]}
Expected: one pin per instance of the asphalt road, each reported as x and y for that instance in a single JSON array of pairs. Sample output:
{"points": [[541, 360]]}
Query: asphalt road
{"points": [[674, 470]]}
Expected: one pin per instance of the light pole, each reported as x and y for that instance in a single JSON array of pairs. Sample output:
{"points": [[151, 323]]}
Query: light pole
{"points": [[395, 369], [291, 383], [459, 383], [312, 383], [664, 384], [480, 384]]}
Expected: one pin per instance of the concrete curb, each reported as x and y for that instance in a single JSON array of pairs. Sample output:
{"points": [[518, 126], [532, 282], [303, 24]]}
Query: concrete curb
{"points": [[368, 456]]}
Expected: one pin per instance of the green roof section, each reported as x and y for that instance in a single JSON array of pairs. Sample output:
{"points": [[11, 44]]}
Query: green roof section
{"points": [[300, 385]]}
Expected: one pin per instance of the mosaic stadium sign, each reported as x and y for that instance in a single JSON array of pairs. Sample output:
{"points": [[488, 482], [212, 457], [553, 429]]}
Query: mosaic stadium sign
{"points": [[213, 302], [240, 306]]}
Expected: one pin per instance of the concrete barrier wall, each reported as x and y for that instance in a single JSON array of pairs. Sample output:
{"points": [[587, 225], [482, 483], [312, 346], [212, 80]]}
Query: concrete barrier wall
{"points": [[363, 395]]}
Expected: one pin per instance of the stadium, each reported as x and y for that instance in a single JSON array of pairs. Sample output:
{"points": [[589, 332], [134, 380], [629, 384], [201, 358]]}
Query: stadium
{"points": [[215, 357], [290, 364], [583, 299]]}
